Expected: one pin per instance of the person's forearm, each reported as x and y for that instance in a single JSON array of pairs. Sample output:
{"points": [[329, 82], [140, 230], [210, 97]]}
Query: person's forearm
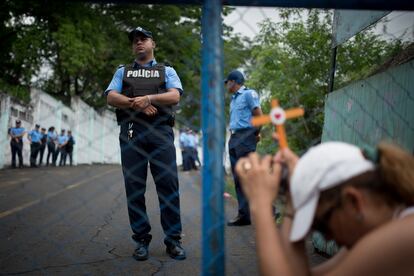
{"points": [[118, 100], [257, 111], [171, 97], [295, 252], [271, 256]]}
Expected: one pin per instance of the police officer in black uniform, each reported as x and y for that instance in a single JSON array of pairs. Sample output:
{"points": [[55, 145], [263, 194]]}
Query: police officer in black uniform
{"points": [[144, 93]]}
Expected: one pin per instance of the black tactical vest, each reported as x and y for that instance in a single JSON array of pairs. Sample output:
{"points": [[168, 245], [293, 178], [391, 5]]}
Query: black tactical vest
{"points": [[141, 81]]}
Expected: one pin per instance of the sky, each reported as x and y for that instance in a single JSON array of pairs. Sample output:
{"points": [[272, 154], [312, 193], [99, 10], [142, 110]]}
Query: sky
{"points": [[245, 21]]}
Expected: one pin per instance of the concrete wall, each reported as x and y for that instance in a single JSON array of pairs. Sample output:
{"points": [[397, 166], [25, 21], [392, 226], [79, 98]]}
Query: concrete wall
{"points": [[10, 110], [96, 133]]}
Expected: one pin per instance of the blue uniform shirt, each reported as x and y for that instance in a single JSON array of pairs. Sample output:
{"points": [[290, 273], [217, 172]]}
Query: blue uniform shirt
{"points": [[15, 131], [62, 139], [184, 140], [43, 136], [171, 79], [242, 104], [51, 136], [192, 140], [35, 136]]}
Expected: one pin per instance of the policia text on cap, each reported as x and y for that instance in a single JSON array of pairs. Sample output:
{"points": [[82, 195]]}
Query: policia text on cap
{"points": [[144, 93]]}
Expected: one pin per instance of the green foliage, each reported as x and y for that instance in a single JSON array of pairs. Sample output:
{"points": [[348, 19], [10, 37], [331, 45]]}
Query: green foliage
{"points": [[229, 186], [291, 62], [82, 44], [20, 49], [17, 91]]}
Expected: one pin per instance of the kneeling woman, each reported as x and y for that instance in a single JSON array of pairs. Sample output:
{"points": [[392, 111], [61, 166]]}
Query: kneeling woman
{"points": [[365, 206]]}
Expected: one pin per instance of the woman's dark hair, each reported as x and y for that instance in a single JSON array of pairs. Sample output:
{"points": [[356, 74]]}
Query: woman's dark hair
{"points": [[396, 169]]}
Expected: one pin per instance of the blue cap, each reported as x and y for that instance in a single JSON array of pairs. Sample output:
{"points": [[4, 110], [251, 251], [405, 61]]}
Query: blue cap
{"points": [[235, 75], [140, 30]]}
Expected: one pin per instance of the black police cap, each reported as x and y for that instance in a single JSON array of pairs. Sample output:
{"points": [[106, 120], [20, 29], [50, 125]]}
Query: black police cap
{"points": [[18, 121], [236, 76], [37, 125], [139, 30]]}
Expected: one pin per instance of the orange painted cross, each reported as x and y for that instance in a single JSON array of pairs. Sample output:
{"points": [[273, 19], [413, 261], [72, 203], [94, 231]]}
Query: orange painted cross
{"points": [[278, 117]]}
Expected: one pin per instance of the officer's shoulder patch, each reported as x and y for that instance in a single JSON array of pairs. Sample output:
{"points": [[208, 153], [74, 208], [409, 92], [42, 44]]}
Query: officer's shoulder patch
{"points": [[254, 94], [167, 64]]}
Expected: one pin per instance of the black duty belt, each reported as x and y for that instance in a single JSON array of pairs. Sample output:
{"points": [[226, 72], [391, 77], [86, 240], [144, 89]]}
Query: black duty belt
{"points": [[241, 130]]}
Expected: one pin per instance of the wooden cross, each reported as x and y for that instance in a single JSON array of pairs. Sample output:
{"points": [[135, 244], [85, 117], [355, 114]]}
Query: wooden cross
{"points": [[278, 117]]}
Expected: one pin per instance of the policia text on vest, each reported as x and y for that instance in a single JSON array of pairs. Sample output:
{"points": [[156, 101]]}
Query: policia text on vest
{"points": [[143, 73], [141, 81]]}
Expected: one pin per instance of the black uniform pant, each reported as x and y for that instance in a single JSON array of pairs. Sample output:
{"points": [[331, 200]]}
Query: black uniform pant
{"points": [[187, 158], [196, 158], [69, 154], [51, 152], [193, 158], [62, 152], [240, 145], [41, 152], [34, 151], [16, 148], [142, 143]]}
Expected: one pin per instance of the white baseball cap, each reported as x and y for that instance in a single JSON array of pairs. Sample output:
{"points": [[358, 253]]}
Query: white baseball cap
{"points": [[322, 167]]}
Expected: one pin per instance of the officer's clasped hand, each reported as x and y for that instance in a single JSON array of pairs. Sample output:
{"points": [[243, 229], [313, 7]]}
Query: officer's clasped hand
{"points": [[140, 103], [150, 110]]}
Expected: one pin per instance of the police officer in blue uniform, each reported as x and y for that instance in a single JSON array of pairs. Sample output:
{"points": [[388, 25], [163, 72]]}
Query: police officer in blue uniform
{"points": [[184, 143], [244, 137], [34, 137], [195, 149], [16, 143], [62, 140], [192, 145], [69, 147], [144, 93], [43, 142], [51, 145]]}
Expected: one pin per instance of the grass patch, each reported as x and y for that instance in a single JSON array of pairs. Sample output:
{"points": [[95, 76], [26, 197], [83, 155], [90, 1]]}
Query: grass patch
{"points": [[229, 185]]}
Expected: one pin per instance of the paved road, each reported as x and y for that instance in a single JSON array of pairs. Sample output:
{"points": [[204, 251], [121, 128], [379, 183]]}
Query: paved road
{"points": [[73, 221]]}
